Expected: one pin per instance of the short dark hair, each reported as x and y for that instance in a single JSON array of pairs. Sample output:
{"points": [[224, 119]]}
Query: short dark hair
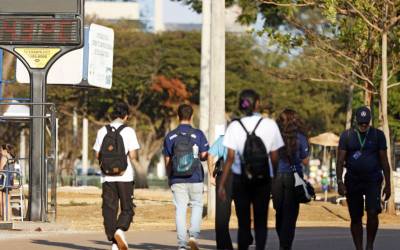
{"points": [[185, 112], [120, 110], [247, 101]]}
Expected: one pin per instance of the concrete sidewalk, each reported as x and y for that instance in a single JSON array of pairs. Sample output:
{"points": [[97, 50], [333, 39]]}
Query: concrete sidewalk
{"points": [[334, 238]]}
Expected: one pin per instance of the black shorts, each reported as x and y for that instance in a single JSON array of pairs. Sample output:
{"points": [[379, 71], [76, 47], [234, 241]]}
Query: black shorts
{"points": [[356, 189]]}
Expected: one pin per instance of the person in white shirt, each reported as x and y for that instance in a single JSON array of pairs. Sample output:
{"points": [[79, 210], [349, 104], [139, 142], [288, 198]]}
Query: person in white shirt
{"points": [[118, 189], [247, 193]]}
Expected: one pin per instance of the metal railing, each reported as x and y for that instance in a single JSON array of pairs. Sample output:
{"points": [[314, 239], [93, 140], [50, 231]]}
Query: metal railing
{"points": [[50, 168], [8, 184]]}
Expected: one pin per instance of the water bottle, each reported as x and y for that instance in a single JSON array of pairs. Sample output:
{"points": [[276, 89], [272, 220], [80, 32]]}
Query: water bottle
{"points": [[195, 151]]}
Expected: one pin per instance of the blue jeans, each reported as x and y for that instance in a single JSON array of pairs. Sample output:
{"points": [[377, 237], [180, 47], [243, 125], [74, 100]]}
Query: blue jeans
{"points": [[188, 194]]}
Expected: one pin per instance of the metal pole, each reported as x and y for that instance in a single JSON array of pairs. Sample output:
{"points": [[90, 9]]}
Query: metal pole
{"points": [[37, 180], [85, 145], [52, 163], [217, 86], [22, 154]]}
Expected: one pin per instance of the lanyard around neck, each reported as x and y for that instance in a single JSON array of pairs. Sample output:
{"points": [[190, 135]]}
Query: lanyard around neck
{"points": [[362, 142]]}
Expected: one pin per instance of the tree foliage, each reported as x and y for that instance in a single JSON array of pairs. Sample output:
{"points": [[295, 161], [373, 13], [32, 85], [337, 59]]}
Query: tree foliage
{"points": [[154, 73]]}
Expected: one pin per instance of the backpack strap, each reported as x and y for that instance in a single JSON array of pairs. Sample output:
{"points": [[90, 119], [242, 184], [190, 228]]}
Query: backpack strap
{"points": [[348, 134], [240, 122], [258, 123], [109, 128], [120, 128]]}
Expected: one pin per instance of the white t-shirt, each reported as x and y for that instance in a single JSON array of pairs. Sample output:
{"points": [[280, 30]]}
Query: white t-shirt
{"points": [[130, 143], [235, 137]]}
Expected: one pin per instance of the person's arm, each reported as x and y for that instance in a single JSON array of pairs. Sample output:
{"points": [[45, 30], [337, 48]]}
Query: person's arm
{"points": [[3, 162], [211, 166], [134, 158], [227, 167], [203, 156], [386, 171], [168, 163], [203, 147], [339, 171], [306, 161], [274, 156]]}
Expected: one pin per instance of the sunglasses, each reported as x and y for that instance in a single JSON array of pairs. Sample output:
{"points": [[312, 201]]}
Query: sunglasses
{"points": [[363, 124]]}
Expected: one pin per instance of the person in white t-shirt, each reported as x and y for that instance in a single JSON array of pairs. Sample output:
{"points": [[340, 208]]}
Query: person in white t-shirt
{"points": [[119, 189], [246, 193]]}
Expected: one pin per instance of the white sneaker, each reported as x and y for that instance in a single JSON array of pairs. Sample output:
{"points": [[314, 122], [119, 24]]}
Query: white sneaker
{"points": [[193, 244], [181, 248], [119, 236], [114, 247]]}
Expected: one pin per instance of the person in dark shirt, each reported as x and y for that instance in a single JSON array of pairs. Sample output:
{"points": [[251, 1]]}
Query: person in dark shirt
{"points": [[363, 152], [184, 148], [295, 153]]}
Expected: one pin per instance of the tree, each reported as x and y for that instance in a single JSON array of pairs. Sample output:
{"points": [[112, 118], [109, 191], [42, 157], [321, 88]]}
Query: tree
{"points": [[356, 33], [148, 70], [380, 19]]}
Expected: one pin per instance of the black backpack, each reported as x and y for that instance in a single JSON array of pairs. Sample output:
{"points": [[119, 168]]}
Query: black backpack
{"points": [[112, 157], [184, 162], [254, 160]]}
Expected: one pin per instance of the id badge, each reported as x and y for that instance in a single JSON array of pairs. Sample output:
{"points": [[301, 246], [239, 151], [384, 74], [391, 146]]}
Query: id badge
{"points": [[357, 155]]}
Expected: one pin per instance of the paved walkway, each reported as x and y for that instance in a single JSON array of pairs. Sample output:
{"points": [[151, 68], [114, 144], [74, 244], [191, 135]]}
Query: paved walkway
{"points": [[306, 239]]}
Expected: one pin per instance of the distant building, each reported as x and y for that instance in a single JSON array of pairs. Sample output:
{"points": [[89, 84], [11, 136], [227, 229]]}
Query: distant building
{"points": [[113, 9], [158, 16], [231, 15], [150, 12]]}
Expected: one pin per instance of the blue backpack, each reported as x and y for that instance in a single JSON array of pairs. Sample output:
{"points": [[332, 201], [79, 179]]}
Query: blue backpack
{"points": [[184, 160]]}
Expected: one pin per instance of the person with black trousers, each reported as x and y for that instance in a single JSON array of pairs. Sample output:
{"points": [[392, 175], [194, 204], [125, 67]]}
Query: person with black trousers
{"points": [[118, 189], [249, 194], [217, 155], [363, 151], [295, 153]]}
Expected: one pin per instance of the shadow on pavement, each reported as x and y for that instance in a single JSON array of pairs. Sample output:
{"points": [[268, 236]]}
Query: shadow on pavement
{"points": [[152, 246], [64, 245], [327, 238]]}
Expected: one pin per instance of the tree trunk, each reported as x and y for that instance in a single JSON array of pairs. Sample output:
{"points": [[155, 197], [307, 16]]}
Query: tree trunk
{"points": [[141, 172], [349, 111], [367, 95], [384, 112]]}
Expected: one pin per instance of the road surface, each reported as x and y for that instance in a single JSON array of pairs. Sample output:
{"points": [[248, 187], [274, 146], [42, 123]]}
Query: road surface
{"points": [[335, 238]]}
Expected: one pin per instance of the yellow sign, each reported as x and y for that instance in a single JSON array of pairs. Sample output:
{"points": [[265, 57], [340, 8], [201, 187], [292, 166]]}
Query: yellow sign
{"points": [[37, 58]]}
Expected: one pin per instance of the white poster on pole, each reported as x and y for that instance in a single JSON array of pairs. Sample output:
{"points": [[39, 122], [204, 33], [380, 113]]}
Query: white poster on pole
{"points": [[101, 46], [68, 69]]}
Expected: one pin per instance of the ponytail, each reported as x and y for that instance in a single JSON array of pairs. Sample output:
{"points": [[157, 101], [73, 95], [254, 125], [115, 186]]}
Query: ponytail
{"points": [[247, 101]]}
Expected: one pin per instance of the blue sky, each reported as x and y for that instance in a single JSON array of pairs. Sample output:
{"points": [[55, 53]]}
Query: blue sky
{"points": [[176, 12]]}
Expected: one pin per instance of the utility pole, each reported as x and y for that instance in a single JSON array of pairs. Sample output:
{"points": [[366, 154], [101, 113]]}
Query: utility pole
{"points": [[217, 86], [205, 82]]}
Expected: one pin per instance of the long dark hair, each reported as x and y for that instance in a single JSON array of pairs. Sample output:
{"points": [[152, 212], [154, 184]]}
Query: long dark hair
{"points": [[10, 149], [290, 125], [248, 99]]}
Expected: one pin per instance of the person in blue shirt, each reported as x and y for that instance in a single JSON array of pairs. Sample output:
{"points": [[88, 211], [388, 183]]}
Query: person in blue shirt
{"points": [[184, 148], [363, 152], [295, 153], [216, 157]]}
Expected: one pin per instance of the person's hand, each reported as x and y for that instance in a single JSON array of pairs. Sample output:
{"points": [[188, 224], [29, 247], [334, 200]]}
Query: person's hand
{"points": [[222, 193], [212, 180], [387, 192], [342, 189]]}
